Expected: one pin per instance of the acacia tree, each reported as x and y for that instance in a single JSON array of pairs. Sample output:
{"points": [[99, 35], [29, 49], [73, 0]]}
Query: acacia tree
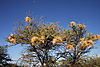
{"points": [[41, 37], [44, 38], [78, 43]]}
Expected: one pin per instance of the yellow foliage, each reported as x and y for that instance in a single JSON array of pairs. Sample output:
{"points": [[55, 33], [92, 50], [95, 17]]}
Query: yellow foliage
{"points": [[81, 26], [72, 23], [69, 47], [84, 44], [98, 36], [57, 40], [27, 19], [12, 39], [82, 39], [42, 39], [93, 37], [90, 42], [34, 38]]}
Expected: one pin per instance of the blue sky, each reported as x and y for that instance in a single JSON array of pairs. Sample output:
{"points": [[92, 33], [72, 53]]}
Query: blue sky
{"points": [[82, 11]]}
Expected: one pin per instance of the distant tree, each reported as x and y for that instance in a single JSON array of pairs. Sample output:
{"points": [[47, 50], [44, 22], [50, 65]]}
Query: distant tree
{"points": [[4, 57]]}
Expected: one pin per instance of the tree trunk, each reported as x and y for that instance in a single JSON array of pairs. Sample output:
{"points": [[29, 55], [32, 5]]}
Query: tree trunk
{"points": [[46, 53], [42, 64]]}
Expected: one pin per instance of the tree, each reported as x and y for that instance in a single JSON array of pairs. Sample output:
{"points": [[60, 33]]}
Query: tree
{"points": [[49, 42], [40, 37], [4, 57], [78, 43]]}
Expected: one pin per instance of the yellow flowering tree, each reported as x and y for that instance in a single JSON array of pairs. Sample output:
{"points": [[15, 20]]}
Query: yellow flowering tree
{"points": [[49, 42], [40, 37], [78, 43]]}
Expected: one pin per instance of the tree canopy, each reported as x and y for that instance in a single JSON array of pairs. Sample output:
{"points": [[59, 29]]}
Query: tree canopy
{"points": [[48, 42]]}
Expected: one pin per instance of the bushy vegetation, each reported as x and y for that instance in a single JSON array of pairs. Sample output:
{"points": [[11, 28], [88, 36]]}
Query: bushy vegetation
{"points": [[4, 57]]}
